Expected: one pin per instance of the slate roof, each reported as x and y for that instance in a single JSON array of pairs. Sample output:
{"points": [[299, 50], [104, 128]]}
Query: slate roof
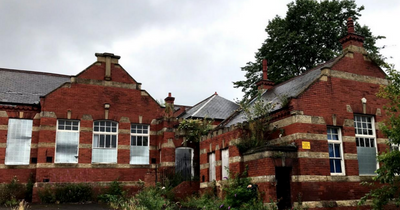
{"points": [[26, 87], [289, 89], [213, 107]]}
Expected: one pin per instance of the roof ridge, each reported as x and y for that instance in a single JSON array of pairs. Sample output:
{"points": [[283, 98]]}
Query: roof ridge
{"points": [[34, 72], [210, 99]]}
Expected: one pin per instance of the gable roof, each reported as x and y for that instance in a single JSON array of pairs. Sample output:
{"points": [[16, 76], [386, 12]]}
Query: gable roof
{"points": [[288, 89], [213, 107], [26, 87]]}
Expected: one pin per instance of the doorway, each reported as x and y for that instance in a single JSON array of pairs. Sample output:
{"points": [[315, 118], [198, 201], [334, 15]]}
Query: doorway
{"points": [[283, 178]]}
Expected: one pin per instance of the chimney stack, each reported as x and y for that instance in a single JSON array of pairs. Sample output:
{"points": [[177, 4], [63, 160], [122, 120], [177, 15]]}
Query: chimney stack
{"points": [[265, 83], [352, 39], [108, 58]]}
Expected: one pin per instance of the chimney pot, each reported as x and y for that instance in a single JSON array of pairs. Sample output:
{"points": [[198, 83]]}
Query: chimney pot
{"points": [[350, 26], [265, 69]]}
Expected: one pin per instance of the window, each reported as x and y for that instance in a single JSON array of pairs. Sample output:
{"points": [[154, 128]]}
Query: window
{"points": [[105, 142], [67, 141], [211, 160], [335, 151], [19, 138], [139, 144], [225, 163], [366, 144]]}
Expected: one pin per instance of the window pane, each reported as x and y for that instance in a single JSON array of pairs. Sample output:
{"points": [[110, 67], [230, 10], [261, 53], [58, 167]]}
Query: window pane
{"points": [[114, 141], [108, 141], [133, 140], [337, 150], [331, 163], [338, 168], [331, 150], [145, 141], [101, 141], [139, 141]]}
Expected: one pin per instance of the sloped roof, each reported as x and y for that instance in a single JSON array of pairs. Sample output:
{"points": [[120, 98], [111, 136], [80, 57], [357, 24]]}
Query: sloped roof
{"points": [[213, 107], [26, 87], [288, 89]]}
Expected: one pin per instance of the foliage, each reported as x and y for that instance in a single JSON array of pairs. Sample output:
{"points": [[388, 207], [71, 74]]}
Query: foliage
{"points": [[255, 130], [47, 195], [113, 193], [12, 192], [388, 173], [148, 199], [66, 193], [206, 201], [308, 35], [71, 192], [240, 193], [23, 205], [29, 188], [195, 128]]}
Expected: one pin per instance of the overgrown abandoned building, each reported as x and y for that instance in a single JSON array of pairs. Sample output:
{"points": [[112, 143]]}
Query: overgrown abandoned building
{"points": [[99, 126]]}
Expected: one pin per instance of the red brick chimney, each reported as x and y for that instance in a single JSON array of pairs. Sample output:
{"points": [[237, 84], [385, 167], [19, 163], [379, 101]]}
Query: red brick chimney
{"points": [[351, 38], [169, 99], [265, 83]]}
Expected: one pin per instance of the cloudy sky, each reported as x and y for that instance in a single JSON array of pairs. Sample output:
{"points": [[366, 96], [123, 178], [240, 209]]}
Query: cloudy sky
{"points": [[189, 48]]}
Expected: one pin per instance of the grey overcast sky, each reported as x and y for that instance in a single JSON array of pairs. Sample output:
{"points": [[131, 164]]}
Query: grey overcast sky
{"points": [[189, 48]]}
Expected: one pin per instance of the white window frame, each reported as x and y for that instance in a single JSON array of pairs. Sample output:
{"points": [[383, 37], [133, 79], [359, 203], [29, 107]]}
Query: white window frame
{"points": [[16, 143], [105, 133], [373, 136], [340, 143], [132, 147], [67, 131], [211, 169], [225, 163]]}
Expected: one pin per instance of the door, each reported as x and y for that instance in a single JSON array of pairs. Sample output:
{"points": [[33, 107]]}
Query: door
{"points": [[282, 176], [183, 162]]}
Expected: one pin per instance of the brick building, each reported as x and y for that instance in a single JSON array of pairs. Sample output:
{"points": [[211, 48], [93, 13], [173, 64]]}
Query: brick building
{"points": [[326, 139], [99, 126]]}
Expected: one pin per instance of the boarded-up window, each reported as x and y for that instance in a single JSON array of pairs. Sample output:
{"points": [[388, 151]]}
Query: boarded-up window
{"points": [[19, 138], [211, 161], [67, 141], [140, 141], [225, 163], [366, 144], [105, 142]]}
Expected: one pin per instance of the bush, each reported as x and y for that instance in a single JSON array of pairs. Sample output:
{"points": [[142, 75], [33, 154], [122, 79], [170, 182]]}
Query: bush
{"points": [[205, 201], [112, 194], [12, 192], [47, 195], [66, 193], [71, 193], [148, 199]]}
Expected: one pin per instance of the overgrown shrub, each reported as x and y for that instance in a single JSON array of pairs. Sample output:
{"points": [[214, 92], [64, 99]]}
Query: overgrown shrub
{"points": [[148, 199], [66, 193], [113, 193], [205, 201], [12, 192], [71, 192], [239, 190]]}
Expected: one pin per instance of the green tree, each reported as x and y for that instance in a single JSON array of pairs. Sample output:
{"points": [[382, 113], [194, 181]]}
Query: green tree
{"points": [[307, 36], [387, 186]]}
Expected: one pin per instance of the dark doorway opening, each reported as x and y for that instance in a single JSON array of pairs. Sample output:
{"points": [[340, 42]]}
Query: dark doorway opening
{"points": [[282, 176]]}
